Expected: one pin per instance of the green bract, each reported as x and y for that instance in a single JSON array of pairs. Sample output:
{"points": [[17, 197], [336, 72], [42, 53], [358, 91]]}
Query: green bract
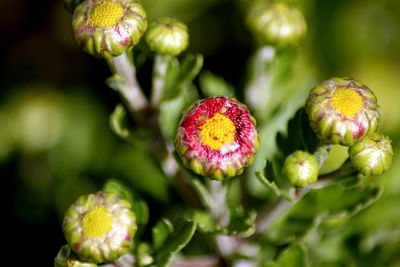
{"points": [[276, 23], [342, 111], [372, 155], [301, 168], [167, 36], [99, 227], [67, 258], [107, 28]]}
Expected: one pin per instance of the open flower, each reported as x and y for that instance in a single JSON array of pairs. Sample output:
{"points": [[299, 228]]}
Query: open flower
{"points": [[342, 111], [107, 28], [99, 227], [372, 155], [217, 138]]}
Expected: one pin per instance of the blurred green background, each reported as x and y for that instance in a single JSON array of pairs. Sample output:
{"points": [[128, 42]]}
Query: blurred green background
{"points": [[55, 142]]}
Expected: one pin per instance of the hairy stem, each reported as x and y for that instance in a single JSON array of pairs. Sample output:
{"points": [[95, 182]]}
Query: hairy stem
{"points": [[259, 79], [160, 68], [123, 66]]}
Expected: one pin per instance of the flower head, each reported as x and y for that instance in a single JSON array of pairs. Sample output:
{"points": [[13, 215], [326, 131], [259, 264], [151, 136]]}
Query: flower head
{"points": [[342, 111], [67, 258], [301, 168], [167, 36], [217, 138], [372, 155], [99, 227], [276, 23], [107, 28]]}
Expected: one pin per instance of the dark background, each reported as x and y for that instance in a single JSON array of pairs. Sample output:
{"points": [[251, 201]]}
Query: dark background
{"points": [[46, 164]]}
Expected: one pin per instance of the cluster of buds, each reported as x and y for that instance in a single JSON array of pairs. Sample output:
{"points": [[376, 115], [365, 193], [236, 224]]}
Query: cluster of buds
{"points": [[276, 23], [217, 138], [345, 112], [98, 228]]}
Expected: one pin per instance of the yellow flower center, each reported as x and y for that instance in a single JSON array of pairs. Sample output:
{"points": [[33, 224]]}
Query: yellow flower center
{"points": [[97, 222], [106, 14], [347, 101], [218, 131]]}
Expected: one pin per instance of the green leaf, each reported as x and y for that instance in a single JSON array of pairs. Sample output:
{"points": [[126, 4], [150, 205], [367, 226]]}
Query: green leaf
{"points": [[176, 242], [190, 67], [203, 192], [270, 184], [212, 85], [160, 232], [293, 256], [143, 254], [333, 202], [170, 114], [118, 121], [117, 82], [114, 186], [142, 171], [241, 223]]}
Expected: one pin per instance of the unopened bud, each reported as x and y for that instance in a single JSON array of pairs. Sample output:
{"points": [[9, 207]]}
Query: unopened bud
{"points": [[99, 227], [167, 36], [342, 111], [372, 155], [108, 28], [301, 168]]}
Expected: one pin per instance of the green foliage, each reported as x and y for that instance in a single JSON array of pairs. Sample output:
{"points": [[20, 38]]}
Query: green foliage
{"points": [[241, 223], [293, 256], [175, 242], [212, 85], [179, 93]]}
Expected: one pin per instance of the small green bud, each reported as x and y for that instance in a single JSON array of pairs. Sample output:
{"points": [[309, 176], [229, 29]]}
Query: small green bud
{"points": [[99, 227], [108, 28], [301, 168], [342, 111], [217, 138], [276, 23], [372, 155], [167, 36], [67, 258]]}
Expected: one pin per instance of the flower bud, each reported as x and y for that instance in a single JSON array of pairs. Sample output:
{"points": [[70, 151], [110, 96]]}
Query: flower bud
{"points": [[99, 227], [372, 155], [342, 111], [301, 168], [217, 138], [167, 36], [107, 28], [67, 258], [276, 23]]}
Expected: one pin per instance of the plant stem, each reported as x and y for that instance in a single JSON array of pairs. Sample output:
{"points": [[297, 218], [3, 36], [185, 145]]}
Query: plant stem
{"points": [[123, 66], [279, 208], [259, 81], [160, 68]]}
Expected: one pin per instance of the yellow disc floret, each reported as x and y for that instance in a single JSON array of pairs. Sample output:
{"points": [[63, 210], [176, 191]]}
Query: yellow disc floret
{"points": [[218, 131], [106, 14], [97, 222], [347, 101]]}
